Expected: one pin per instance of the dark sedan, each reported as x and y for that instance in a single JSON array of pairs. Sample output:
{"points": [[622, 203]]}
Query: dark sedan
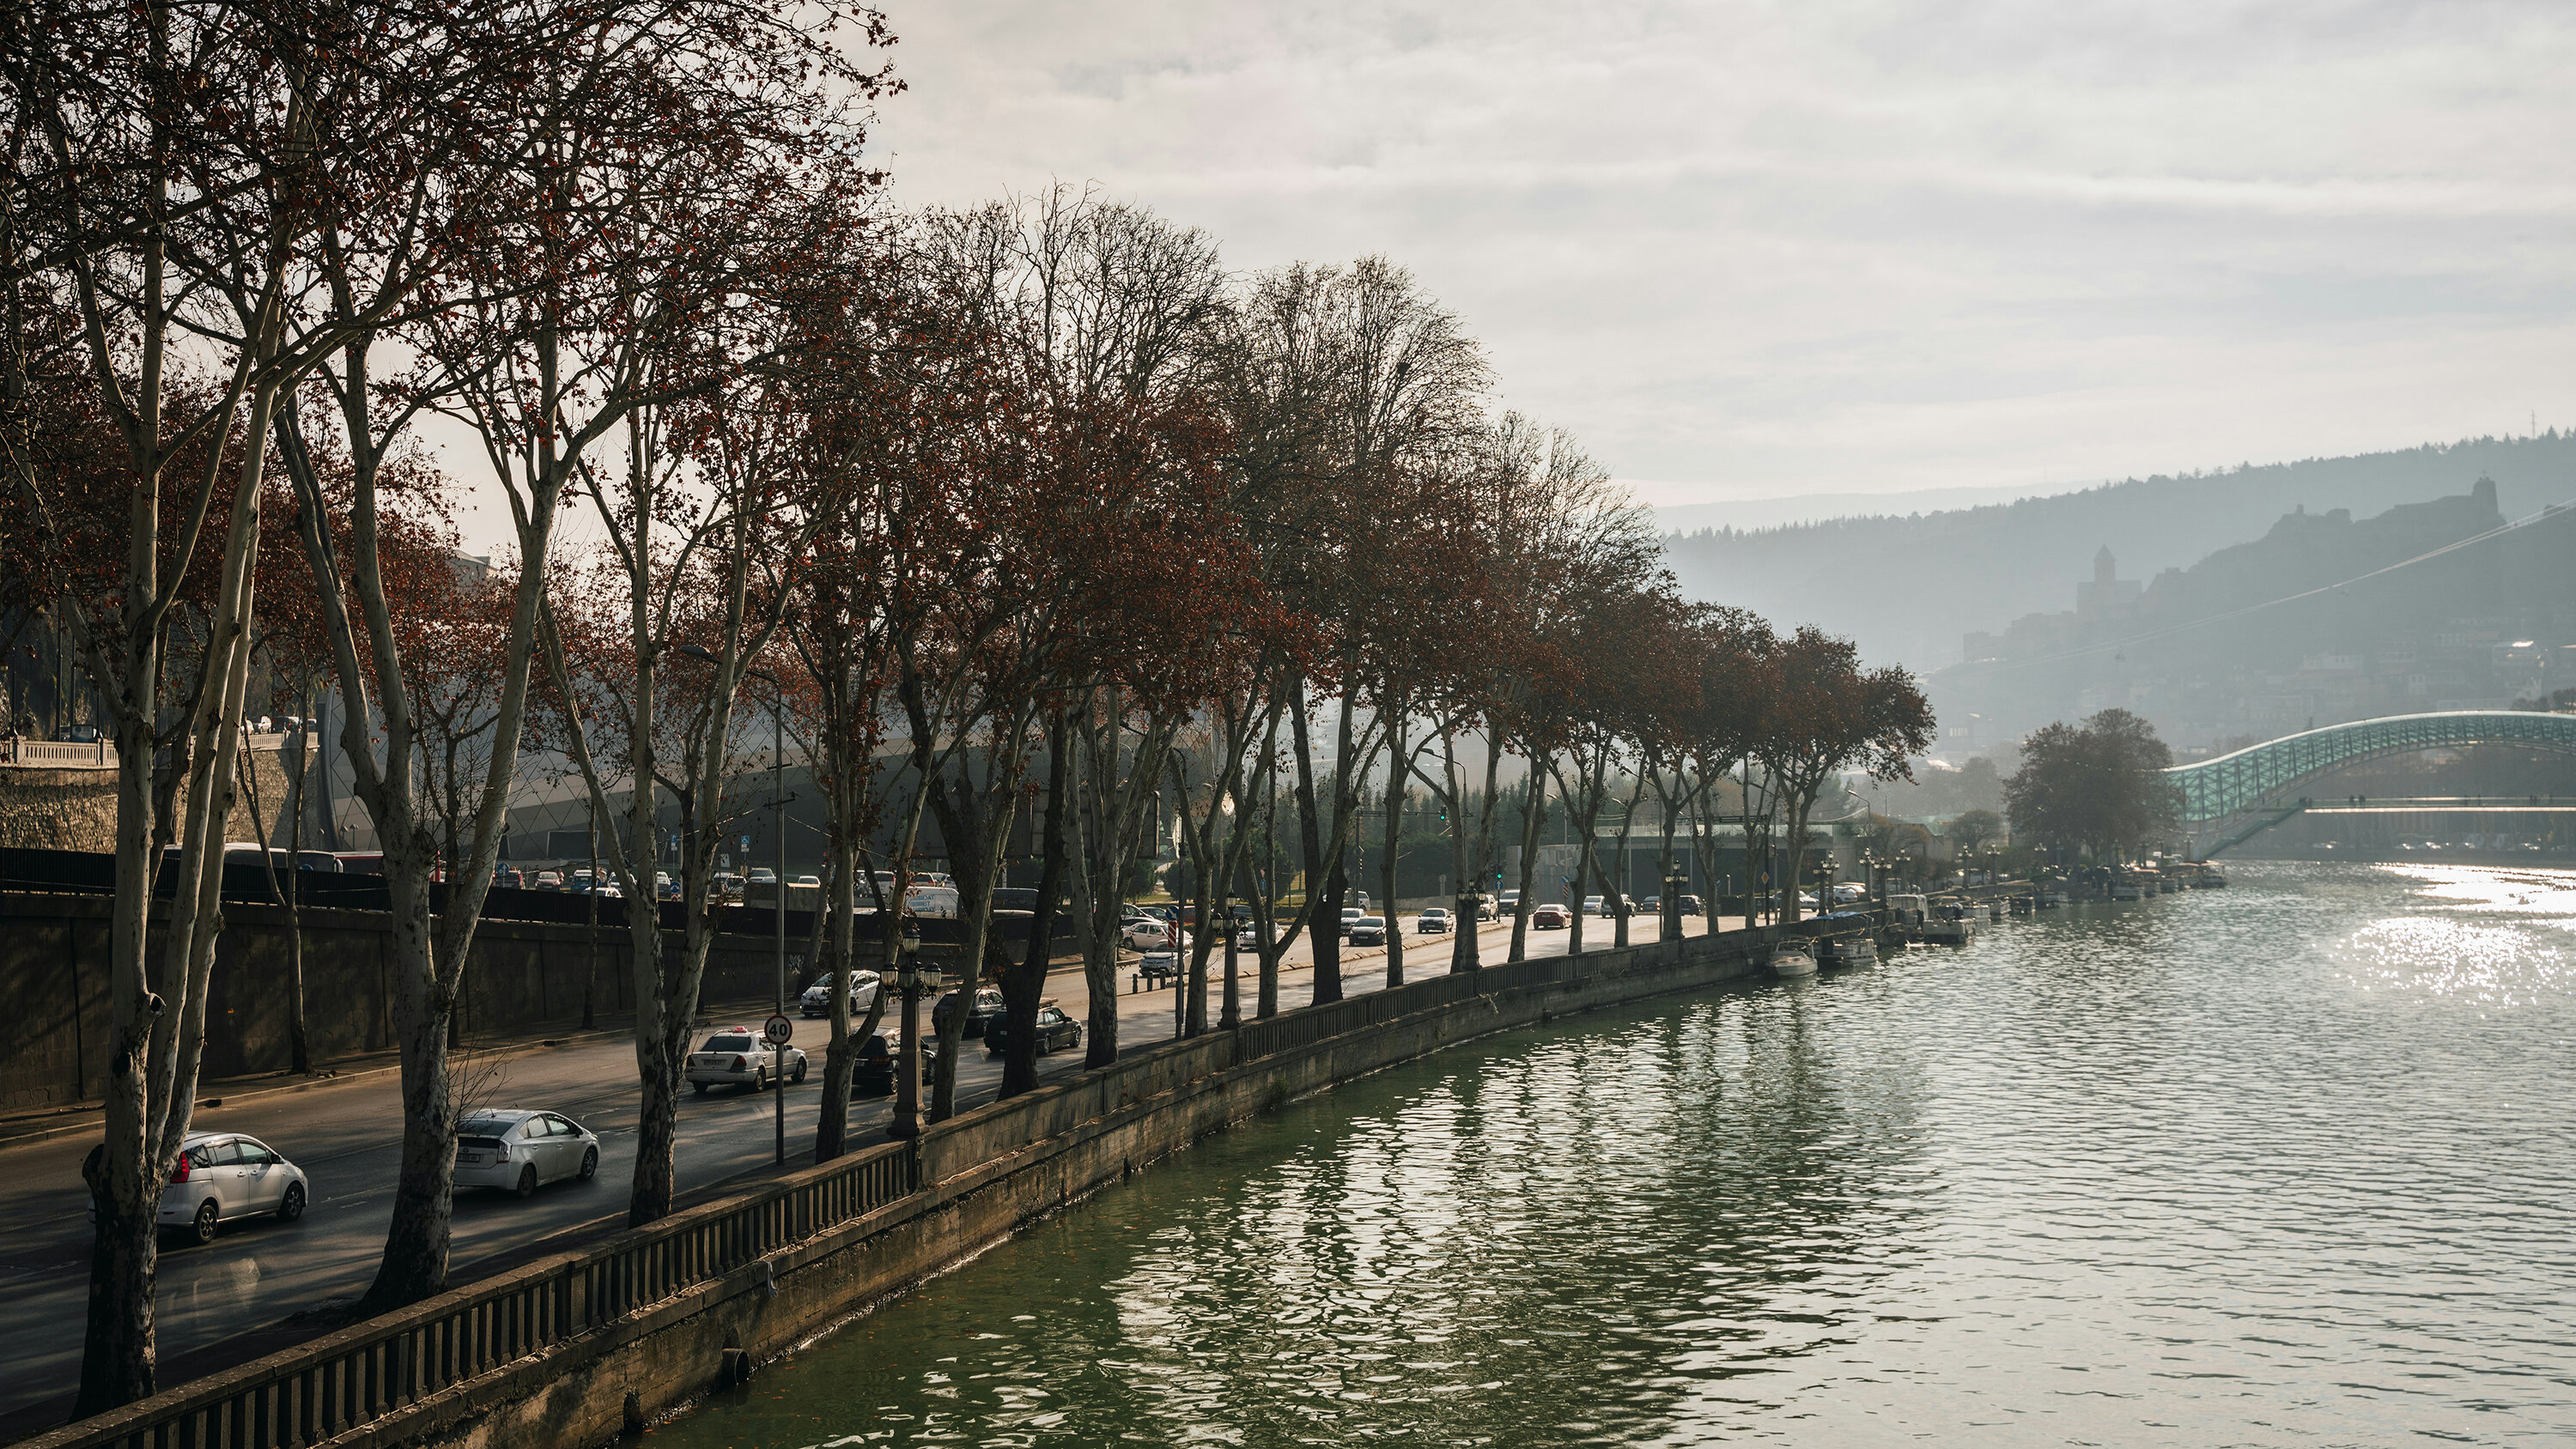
{"points": [[1368, 931], [1055, 1031]]}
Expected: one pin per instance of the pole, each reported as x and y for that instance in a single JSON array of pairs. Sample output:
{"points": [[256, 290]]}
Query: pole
{"points": [[907, 1085], [778, 916]]}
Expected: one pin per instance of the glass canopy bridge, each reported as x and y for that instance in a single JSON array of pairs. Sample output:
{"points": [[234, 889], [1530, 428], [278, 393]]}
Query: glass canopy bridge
{"points": [[2229, 800]]}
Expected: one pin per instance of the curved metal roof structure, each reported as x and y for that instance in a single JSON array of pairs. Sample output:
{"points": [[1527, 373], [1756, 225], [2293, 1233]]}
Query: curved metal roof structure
{"points": [[2231, 784]]}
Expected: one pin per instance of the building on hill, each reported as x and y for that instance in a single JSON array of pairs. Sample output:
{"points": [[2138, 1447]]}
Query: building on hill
{"points": [[2426, 606]]}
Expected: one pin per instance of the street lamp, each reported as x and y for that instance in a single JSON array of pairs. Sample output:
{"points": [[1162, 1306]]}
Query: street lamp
{"points": [[907, 979], [778, 900]]}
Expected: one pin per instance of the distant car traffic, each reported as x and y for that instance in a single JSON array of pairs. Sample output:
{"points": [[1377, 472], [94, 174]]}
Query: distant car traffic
{"points": [[1433, 919], [224, 1177], [1055, 1031], [517, 1151], [739, 1057], [1369, 931], [1551, 918], [817, 1000]]}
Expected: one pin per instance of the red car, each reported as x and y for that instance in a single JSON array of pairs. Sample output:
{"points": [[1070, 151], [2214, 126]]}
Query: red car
{"points": [[1551, 918]]}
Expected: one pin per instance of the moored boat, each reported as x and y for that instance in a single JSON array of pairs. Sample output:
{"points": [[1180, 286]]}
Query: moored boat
{"points": [[1792, 960]]}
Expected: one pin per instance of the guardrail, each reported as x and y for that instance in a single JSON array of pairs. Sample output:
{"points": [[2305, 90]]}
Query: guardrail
{"points": [[57, 754], [317, 1391]]}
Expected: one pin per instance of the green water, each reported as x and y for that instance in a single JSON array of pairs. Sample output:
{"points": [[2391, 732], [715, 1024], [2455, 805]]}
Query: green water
{"points": [[2285, 1164]]}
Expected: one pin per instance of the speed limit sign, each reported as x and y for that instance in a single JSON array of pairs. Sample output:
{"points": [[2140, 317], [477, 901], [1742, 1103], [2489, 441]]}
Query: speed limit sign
{"points": [[780, 1031]]}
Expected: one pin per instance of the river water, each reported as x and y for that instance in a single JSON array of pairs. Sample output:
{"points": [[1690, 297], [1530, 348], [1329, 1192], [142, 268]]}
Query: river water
{"points": [[2290, 1163]]}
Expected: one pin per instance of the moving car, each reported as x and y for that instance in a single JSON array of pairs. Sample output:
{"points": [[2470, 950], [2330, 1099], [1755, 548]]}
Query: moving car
{"points": [[1350, 917], [1055, 1030], [1159, 967], [548, 880], [515, 1150], [1509, 904], [223, 1177], [817, 1000], [1369, 931], [1551, 918], [1595, 906], [738, 1057], [987, 1008], [1691, 906], [1432, 919]]}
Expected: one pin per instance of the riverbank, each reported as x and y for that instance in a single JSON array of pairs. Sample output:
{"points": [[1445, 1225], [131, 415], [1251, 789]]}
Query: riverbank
{"points": [[570, 1349]]}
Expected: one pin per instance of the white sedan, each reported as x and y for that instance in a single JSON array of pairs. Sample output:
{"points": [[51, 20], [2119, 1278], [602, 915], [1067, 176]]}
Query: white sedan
{"points": [[1432, 919], [516, 1150], [1144, 933], [817, 1000], [738, 1057], [224, 1176]]}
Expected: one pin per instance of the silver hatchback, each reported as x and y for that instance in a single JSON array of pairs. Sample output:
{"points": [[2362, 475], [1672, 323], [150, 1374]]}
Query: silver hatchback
{"points": [[517, 1150]]}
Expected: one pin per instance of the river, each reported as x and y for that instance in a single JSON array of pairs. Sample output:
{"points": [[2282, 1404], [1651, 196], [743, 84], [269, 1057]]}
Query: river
{"points": [[2290, 1163]]}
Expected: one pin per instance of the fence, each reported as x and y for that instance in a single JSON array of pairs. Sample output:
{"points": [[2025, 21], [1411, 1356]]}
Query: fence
{"points": [[57, 755], [317, 1391]]}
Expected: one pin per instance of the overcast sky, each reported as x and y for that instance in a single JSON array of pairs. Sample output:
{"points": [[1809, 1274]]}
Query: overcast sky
{"points": [[1749, 249]]}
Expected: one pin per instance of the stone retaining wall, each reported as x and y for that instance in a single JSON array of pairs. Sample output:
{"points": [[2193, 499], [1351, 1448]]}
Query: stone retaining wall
{"points": [[976, 1179]]}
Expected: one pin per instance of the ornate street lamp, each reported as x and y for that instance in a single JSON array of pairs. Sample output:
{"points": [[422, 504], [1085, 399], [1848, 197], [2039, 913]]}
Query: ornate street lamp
{"points": [[907, 1082]]}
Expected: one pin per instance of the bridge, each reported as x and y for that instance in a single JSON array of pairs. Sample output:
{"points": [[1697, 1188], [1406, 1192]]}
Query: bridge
{"points": [[2231, 799]]}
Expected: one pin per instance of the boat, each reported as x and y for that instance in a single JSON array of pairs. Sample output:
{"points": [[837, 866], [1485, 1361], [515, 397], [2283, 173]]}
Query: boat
{"points": [[1792, 961], [1994, 913], [1847, 951]]}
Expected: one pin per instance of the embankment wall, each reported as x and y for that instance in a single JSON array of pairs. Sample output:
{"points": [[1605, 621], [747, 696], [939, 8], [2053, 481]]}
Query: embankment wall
{"points": [[572, 1350]]}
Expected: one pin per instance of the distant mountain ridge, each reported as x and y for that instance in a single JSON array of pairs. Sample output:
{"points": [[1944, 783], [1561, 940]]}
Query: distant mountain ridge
{"points": [[1908, 588]]}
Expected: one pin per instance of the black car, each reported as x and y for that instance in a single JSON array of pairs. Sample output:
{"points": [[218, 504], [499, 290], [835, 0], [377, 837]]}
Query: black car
{"points": [[1691, 906], [872, 1075], [1368, 931], [1056, 1031]]}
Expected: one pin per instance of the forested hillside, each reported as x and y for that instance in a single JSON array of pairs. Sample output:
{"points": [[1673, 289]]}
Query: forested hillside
{"points": [[1908, 587]]}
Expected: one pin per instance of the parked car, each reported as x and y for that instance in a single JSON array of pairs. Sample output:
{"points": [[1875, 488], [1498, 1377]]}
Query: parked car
{"points": [[1433, 919], [817, 1000], [223, 1177], [1055, 1031], [1846, 892], [516, 1151], [1369, 931], [987, 1008], [1551, 918], [738, 1057], [1145, 934]]}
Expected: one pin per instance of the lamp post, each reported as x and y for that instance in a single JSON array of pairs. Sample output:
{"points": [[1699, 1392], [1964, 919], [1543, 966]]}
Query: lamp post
{"points": [[907, 1081], [778, 898]]}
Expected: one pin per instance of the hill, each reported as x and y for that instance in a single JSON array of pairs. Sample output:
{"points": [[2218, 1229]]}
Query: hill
{"points": [[1909, 587]]}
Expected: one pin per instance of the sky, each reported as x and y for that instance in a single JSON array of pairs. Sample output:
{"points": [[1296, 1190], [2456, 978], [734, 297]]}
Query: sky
{"points": [[1754, 250]]}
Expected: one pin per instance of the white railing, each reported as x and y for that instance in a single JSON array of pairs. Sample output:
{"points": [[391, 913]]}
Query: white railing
{"points": [[56, 754]]}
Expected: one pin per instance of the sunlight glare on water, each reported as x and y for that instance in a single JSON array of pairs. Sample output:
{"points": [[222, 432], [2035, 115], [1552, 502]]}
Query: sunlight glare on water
{"points": [[2283, 1164]]}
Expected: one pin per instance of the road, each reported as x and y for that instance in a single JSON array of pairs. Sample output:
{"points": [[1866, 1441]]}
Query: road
{"points": [[346, 1137]]}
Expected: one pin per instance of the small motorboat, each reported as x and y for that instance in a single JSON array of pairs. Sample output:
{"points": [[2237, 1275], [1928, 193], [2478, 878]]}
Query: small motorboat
{"points": [[1792, 961]]}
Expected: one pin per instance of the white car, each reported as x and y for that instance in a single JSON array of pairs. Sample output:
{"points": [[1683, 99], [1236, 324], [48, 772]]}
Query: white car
{"points": [[817, 1000], [738, 1057], [1350, 917], [224, 1176], [1145, 934], [516, 1150], [1849, 891], [1433, 918]]}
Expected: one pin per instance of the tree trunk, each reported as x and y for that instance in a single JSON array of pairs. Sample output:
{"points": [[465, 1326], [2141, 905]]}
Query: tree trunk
{"points": [[1024, 982], [414, 1265], [1533, 825]]}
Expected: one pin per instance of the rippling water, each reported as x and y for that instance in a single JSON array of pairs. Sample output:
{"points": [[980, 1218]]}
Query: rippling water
{"points": [[2285, 1164]]}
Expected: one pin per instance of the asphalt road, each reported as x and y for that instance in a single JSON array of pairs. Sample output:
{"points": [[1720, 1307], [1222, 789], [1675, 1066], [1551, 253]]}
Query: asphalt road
{"points": [[346, 1137]]}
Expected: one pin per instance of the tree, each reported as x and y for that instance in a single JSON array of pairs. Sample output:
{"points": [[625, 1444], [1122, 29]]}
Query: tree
{"points": [[1973, 831], [2098, 787], [1832, 716]]}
